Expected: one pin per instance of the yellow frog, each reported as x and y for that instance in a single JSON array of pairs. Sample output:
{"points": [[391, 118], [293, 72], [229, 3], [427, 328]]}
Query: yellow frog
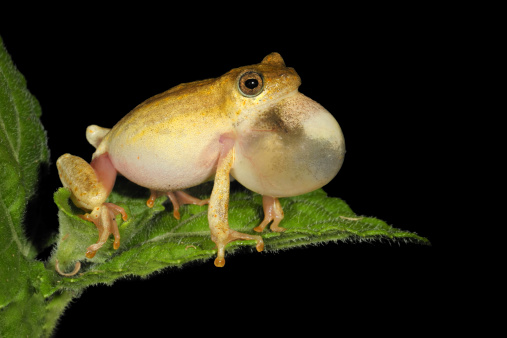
{"points": [[251, 123]]}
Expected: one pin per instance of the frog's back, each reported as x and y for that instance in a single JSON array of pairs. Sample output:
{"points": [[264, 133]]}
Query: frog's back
{"points": [[183, 99], [170, 138], [181, 90]]}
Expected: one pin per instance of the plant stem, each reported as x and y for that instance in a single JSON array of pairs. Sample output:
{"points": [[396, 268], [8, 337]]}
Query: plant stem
{"points": [[54, 309]]}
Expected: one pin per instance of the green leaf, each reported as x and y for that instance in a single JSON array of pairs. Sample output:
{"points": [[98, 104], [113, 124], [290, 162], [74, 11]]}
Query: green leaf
{"points": [[23, 148], [18, 319], [152, 239]]}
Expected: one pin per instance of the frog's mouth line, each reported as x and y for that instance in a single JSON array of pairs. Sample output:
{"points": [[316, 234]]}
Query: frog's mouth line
{"points": [[263, 107]]}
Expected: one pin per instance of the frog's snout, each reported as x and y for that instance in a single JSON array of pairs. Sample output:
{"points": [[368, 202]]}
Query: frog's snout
{"points": [[295, 147]]}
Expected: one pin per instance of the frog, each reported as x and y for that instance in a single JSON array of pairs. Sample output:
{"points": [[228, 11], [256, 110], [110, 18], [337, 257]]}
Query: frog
{"points": [[251, 125]]}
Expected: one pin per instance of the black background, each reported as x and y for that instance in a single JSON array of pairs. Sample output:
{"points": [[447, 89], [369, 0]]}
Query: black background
{"points": [[379, 73]]}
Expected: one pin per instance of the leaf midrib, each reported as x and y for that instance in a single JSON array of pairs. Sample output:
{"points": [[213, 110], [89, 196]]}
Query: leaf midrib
{"points": [[2, 122], [22, 248]]}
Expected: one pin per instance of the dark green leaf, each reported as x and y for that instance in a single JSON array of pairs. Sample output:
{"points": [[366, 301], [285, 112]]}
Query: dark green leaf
{"points": [[23, 149]]}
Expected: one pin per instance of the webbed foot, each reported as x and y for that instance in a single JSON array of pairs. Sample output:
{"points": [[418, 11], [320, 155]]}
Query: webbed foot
{"points": [[104, 218]]}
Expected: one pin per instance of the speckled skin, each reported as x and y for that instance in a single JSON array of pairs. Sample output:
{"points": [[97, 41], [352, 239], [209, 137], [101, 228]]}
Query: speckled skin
{"points": [[170, 141], [277, 142]]}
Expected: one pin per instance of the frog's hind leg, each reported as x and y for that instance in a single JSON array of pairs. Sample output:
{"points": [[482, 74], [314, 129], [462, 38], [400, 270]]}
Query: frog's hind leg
{"points": [[90, 185], [177, 198], [272, 212]]}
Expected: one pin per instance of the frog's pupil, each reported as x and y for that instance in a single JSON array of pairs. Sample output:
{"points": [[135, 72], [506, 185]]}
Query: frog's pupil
{"points": [[251, 83]]}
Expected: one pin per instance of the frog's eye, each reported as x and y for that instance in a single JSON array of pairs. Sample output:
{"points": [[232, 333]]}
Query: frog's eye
{"points": [[250, 84]]}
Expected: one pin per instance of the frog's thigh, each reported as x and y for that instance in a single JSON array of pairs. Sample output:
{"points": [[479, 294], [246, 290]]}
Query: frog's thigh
{"points": [[221, 234], [81, 179]]}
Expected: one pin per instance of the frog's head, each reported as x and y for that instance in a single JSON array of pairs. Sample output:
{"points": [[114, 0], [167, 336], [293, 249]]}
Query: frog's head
{"points": [[254, 87], [286, 143]]}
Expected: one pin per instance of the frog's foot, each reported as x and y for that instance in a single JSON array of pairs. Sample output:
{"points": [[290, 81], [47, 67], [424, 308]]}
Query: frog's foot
{"points": [[177, 198], [104, 218], [272, 212], [233, 235]]}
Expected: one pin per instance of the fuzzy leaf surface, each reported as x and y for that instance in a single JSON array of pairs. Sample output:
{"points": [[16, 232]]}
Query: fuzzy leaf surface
{"points": [[152, 239], [23, 149]]}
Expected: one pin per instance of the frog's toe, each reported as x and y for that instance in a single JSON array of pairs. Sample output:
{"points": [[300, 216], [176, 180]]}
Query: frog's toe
{"points": [[156, 194], [272, 212], [92, 250], [184, 198], [153, 197], [220, 260], [175, 203], [177, 199], [234, 236], [104, 218], [113, 211]]}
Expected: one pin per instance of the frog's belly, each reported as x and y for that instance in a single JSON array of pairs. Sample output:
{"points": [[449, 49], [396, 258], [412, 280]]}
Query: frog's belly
{"points": [[166, 164]]}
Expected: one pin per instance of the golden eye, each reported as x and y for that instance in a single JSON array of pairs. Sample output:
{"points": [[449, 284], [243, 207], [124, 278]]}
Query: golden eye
{"points": [[250, 84]]}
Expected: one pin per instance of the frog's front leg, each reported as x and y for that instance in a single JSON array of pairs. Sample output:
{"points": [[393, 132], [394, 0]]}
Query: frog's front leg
{"points": [[90, 185], [218, 212], [177, 198], [272, 212]]}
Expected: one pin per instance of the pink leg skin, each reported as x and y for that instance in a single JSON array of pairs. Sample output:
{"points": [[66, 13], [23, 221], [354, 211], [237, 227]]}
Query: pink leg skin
{"points": [[105, 171], [272, 212], [177, 198], [104, 217]]}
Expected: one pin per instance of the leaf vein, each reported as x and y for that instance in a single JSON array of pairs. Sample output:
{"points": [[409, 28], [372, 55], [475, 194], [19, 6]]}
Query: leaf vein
{"points": [[4, 129], [11, 225], [188, 220]]}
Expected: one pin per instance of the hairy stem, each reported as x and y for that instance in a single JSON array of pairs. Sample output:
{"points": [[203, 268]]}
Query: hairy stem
{"points": [[54, 309]]}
